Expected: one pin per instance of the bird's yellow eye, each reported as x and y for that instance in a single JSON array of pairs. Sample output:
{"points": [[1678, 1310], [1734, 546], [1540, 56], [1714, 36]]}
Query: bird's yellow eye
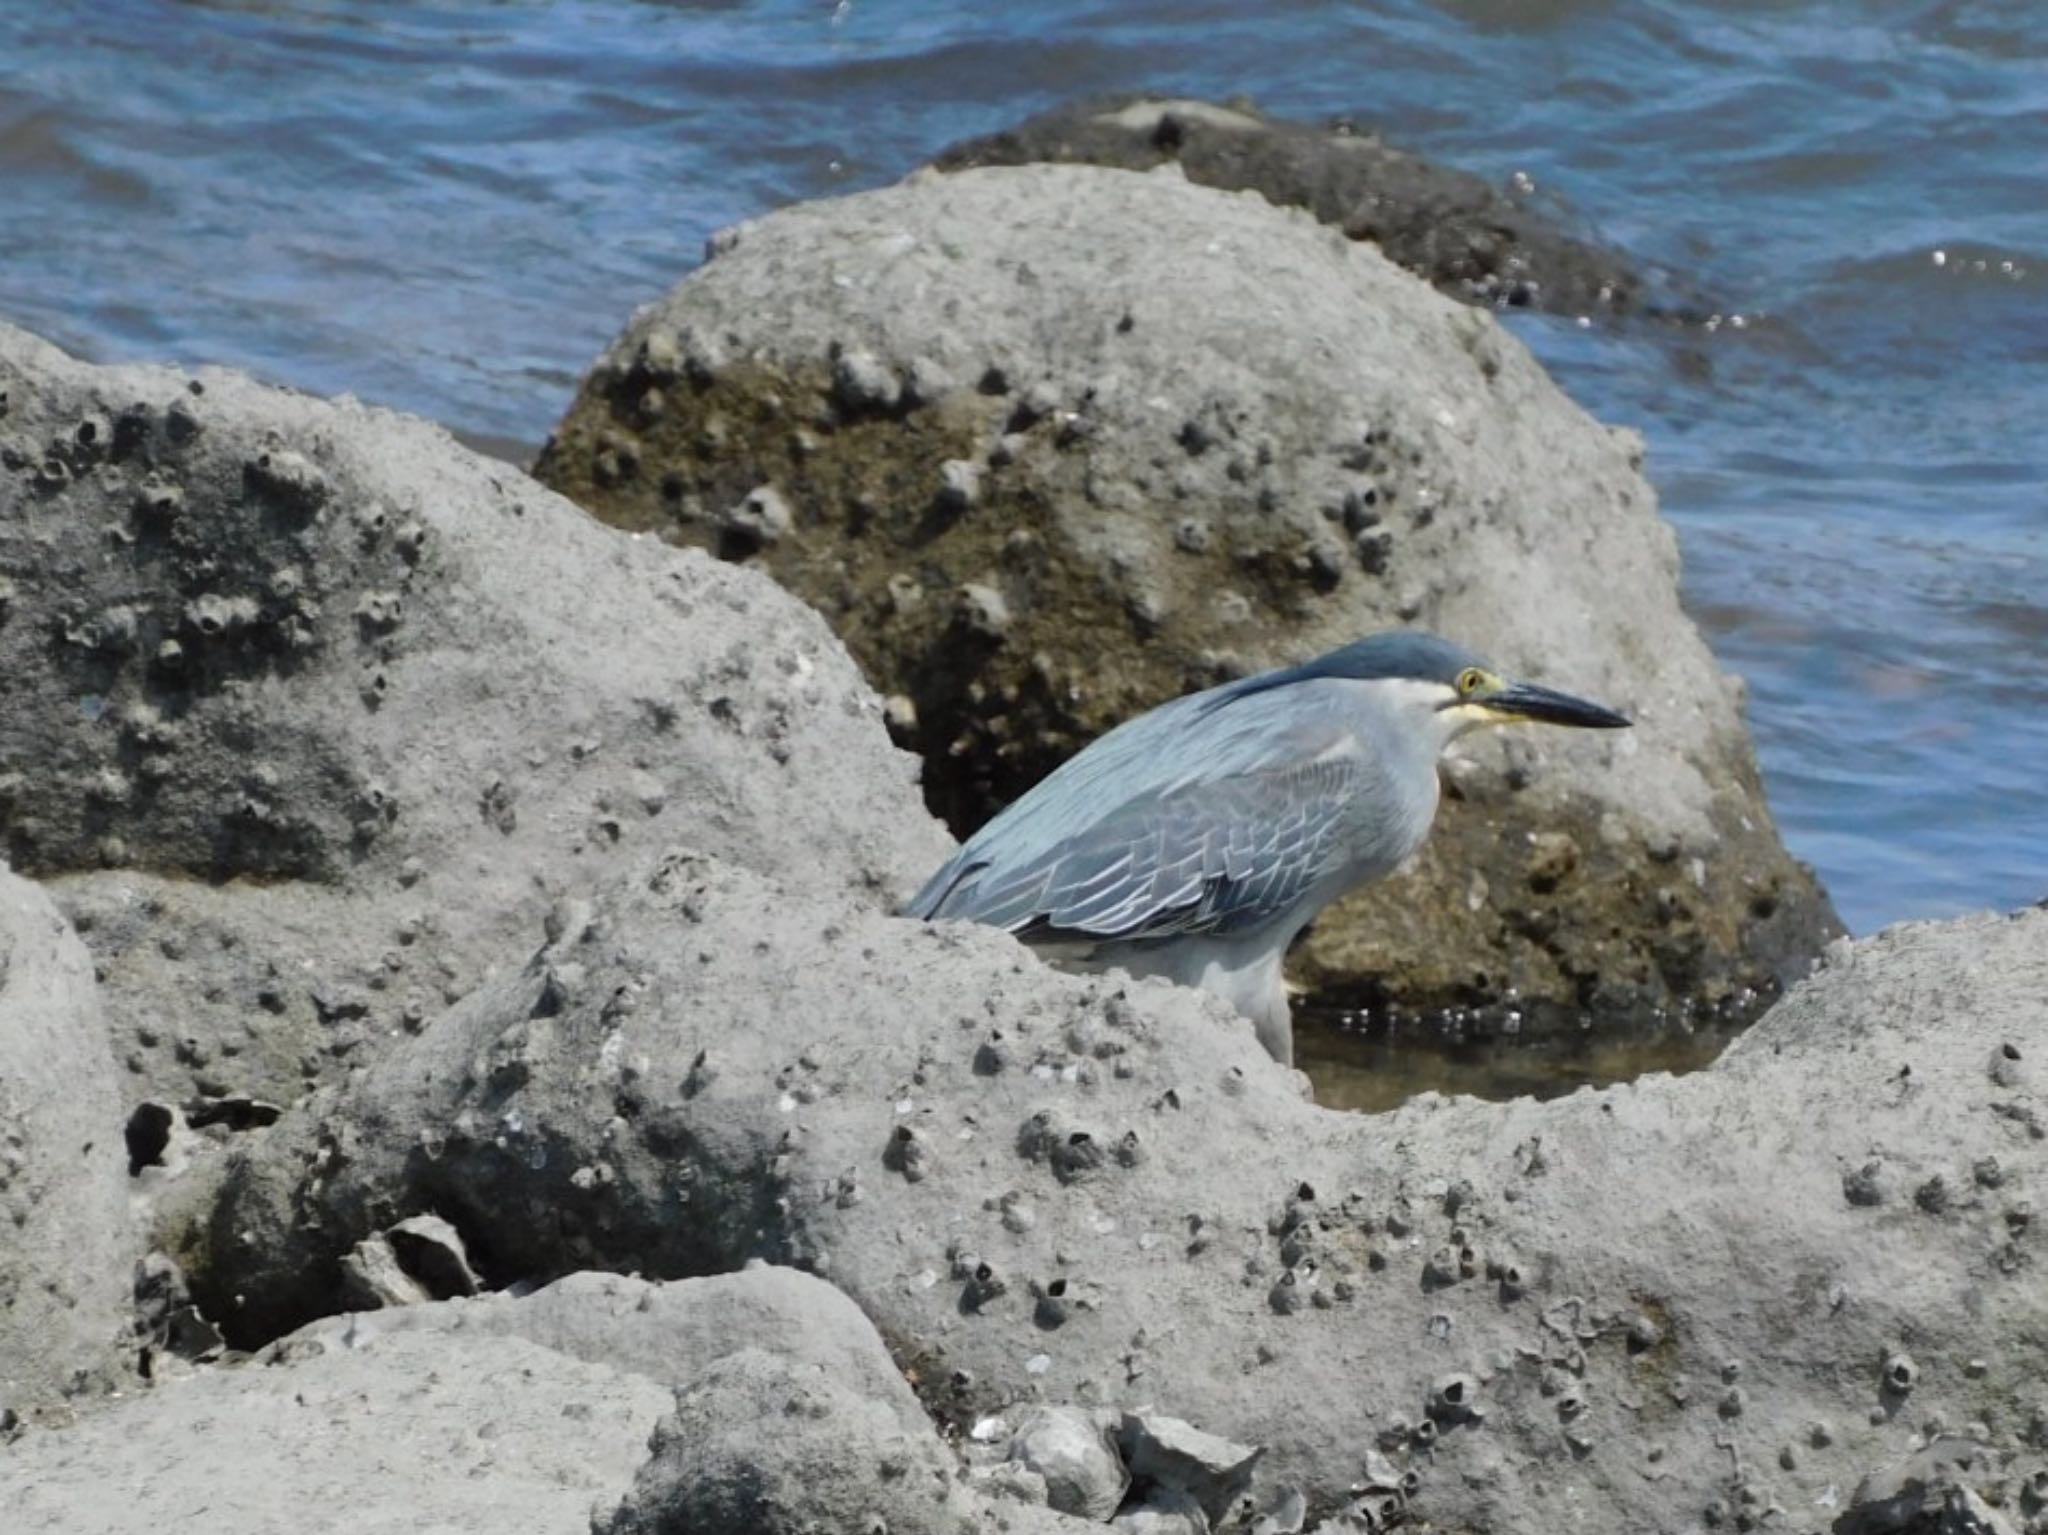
{"points": [[1469, 681]]}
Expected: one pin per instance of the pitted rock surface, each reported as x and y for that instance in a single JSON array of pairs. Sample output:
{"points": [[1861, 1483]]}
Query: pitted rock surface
{"points": [[1051, 444], [309, 709], [1656, 1300]]}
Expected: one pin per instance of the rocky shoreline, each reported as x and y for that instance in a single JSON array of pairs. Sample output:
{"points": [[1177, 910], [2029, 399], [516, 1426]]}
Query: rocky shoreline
{"points": [[458, 1068]]}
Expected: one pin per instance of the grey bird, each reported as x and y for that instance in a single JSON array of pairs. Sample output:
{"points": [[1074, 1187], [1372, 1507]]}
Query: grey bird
{"points": [[1197, 840]]}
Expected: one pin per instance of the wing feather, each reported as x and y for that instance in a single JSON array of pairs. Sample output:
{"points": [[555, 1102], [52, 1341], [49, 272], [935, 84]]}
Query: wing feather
{"points": [[1219, 856]]}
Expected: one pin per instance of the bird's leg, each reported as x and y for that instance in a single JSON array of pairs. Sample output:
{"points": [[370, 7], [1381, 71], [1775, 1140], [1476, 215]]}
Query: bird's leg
{"points": [[1274, 1025]]}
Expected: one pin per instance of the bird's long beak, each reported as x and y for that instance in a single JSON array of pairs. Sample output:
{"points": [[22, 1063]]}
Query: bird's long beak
{"points": [[1527, 701]]}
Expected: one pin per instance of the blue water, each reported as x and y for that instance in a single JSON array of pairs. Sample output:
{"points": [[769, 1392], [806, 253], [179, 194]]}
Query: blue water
{"points": [[452, 207]]}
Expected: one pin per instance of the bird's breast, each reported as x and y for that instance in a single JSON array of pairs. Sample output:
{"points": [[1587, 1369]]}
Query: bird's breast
{"points": [[1390, 816]]}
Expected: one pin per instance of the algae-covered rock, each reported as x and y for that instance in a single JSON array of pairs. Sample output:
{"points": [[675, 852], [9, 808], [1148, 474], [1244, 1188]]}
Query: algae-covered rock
{"points": [[1050, 444]]}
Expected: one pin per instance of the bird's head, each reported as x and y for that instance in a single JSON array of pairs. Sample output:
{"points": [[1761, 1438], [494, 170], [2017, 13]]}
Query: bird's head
{"points": [[1446, 691], [1477, 695]]}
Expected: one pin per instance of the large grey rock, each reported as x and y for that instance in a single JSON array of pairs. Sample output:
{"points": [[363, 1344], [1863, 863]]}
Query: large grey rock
{"points": [[477, 1435], [64, 1236], [1743, 1288], [309, 710], [1050, 444]]}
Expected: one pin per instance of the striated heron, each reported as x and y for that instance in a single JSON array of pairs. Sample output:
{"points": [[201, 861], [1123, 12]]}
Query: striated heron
{"points": [[1197, 840]]}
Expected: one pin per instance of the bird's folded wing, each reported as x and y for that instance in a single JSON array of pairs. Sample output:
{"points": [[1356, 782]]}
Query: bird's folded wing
{"points": [[1219, 857]]}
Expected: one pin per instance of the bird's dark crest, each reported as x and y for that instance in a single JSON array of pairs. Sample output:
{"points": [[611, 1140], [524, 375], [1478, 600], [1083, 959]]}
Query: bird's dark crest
{"points": [[1404, 653]]}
